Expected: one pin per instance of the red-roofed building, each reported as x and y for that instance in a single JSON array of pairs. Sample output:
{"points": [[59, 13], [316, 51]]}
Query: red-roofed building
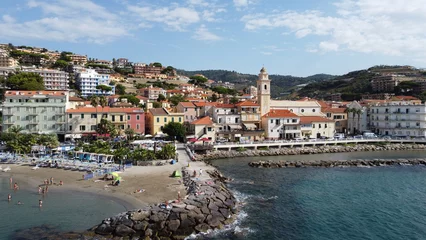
{"points": [[203, 128], [84, 120], [281, 124], [151, 92], [316, 127]]}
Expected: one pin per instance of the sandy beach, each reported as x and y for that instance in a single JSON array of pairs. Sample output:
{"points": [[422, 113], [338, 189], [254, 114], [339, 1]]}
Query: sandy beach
{"points": [[155, 180]]}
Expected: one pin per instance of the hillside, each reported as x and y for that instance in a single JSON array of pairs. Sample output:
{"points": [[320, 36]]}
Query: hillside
{"points": [[353, 84], [280, 84]]}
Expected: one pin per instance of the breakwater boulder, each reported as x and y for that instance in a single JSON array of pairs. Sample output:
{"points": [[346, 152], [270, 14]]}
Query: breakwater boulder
{"points": [[338, 163], [210, 155], [208, 205]]}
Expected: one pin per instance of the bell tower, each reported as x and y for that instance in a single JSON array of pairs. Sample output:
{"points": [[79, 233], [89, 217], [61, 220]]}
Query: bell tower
{"points": [[263, 91]]}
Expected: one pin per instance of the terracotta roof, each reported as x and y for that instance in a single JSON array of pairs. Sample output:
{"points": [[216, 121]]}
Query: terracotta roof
{"points": [[174, 91], [158, 111], [202, 104], [32, 93], [142, 98], [247, 104], [203, 121], [279, 113], [304, 120], [75, 99], [104, 110], [405, 98], [333, 110], [187, 104], [322, 104], [224, 105]]}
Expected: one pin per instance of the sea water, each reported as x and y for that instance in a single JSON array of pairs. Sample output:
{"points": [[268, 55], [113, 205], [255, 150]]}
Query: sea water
{"points": [[328, 203], [64, 210]]}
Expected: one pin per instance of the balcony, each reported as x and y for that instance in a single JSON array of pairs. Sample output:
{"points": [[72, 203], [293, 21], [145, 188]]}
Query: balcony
{"points": [[8, 113]]}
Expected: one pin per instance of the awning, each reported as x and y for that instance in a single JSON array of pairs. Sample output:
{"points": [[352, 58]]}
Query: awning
{"points": [[250, 126], [235, 127]]}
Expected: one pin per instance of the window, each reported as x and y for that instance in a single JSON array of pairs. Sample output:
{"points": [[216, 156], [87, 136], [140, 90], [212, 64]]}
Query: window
{"points": [[19, 100], [265, 87], [328, 115], [45, 118], [82, 116], [173, 119], [121, 118], [105, 116], [158, 119], [237, 120], [128, 117], [319, 125], [272, 130], [294, 120], [69, 115], [272, 120], [303, 110], [128, 126], [209, 129], [417, 124], [93, 127], [180, 119], [70, 128], [113, 118], [277, 121], [165, 119], [313, 125], [122, 126], [313, 110], [325, 125], [407, 110], [137, 126], [93, 116], [82, 128]]}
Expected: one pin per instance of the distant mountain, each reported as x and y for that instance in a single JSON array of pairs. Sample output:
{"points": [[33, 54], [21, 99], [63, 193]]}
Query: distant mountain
{"points": [[280, 84]]}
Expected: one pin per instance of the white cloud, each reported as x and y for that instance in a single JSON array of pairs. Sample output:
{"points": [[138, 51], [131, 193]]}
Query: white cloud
{"points": [[176, 18], [94, 23], [8, 19], [203, 34], [369, 26], [241, 3]]}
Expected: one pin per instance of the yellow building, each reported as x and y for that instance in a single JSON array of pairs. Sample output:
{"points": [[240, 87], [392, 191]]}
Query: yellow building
{"points": [[156, 118]]}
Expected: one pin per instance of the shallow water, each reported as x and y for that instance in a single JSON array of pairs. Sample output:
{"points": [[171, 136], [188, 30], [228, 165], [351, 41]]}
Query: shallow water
{"points": [[65, 210], [328, 203]]}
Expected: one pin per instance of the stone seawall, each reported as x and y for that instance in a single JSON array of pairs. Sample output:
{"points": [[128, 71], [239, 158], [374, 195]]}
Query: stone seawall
{"points": [[307, 150], [208, 205]]}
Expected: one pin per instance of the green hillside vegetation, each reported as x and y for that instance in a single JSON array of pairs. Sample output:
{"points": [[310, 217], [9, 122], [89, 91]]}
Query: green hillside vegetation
{"points": [[350, 85], [279, 83]]}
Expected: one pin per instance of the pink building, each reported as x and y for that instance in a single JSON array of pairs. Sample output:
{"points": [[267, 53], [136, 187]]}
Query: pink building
{"points": [[188, 108]]}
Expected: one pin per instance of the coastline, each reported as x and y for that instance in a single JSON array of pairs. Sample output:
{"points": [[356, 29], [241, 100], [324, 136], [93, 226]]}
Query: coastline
{"points": [[211, 155]]}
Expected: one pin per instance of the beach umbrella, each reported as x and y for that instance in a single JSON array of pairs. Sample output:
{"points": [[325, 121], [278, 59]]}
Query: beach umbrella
{"points": [[192, 140], [205, 139]]}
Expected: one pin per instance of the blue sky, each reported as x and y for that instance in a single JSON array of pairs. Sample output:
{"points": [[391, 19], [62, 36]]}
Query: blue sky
{"points": [[291, 37]]}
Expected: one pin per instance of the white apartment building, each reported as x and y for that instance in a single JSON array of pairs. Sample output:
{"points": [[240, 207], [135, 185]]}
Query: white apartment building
{"points": [[88, 80], [398, 119], [281, 124], [226, 117], [53, 79], [300, 108], [35, 111]]}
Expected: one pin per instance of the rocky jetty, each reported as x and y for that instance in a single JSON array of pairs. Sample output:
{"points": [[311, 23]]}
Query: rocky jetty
{"points": [[339, 163], [307, 150], [208, 205]]}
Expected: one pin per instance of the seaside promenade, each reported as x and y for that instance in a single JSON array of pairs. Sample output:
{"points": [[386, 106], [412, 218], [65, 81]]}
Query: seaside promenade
{"points": [[291, 144]]}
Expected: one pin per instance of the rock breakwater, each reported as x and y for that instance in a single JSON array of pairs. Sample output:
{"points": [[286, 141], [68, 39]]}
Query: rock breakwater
{"points": [[307, 150], [339, 163], [208, 205]]}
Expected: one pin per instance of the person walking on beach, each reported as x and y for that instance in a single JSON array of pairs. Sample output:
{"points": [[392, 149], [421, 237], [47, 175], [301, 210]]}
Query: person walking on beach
{"points": [[47, 189], [201, 172], [51, 181]]}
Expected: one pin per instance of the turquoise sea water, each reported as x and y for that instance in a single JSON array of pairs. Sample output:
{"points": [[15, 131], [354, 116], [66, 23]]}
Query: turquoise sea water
{"points": [[65, 210], [329, 203]]}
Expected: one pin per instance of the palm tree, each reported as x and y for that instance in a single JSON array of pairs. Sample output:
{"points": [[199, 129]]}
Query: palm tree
{"points": [[130, 132], [358, 112], [15, 129], [349, 111]]}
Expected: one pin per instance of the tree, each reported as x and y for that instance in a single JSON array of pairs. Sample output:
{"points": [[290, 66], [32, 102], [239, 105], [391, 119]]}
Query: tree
{"points": [[197, 80], [62, 64], [104, 88], [161, 98], [131, 99], [130, 133], [169, 70], [213, 98], [121, 154], [15, 129], [167, 152], [25, 81], [120, 89], [94, 101], [175, 99], [64, 56], [157, 64], [234, 100], [175, 130], [140, 85], [105, 127], [156, 105]]}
